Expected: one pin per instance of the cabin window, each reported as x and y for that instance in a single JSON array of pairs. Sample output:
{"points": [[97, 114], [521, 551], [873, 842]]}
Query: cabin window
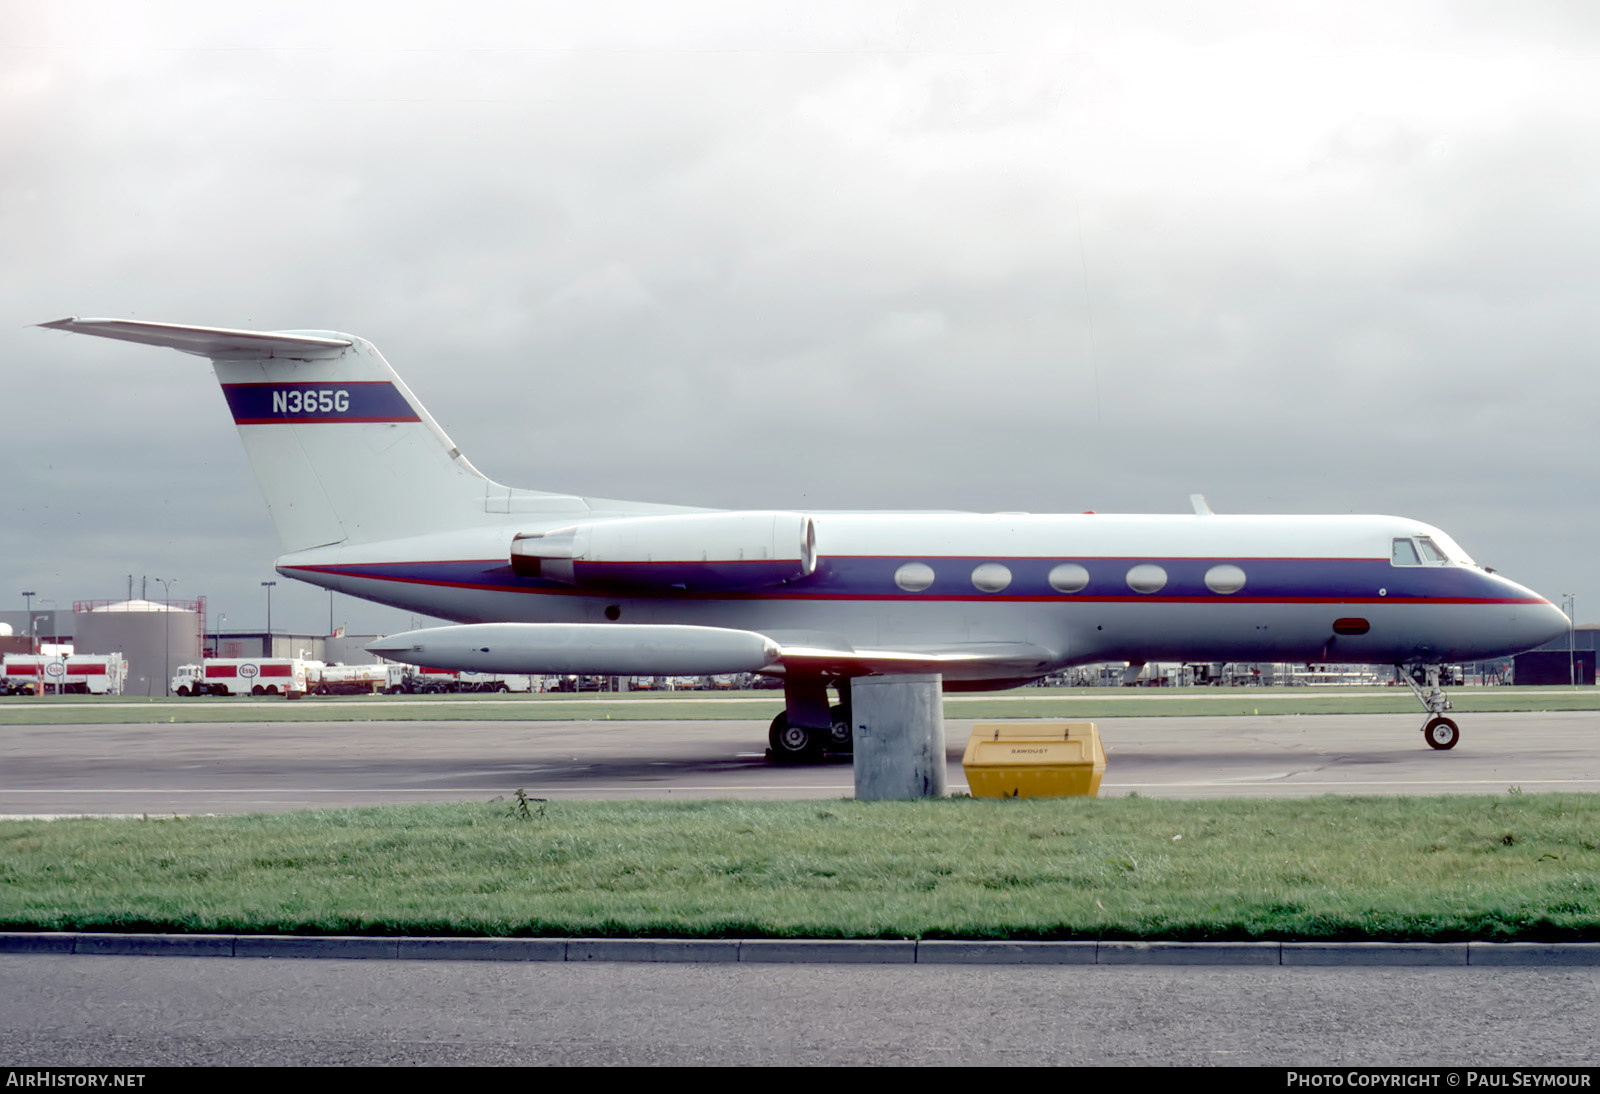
{"points": [[913, 577], [1068, 577], [990, 577], [1147, 577], [1225, 579], [1405, 553]]}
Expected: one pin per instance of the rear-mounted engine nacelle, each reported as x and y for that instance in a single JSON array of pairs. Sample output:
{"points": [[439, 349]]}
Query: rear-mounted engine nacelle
{"points": [[722, 552]]}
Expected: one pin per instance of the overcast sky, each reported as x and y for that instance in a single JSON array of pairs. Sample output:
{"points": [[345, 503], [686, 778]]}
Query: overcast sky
{"points": [[1301, 258]]}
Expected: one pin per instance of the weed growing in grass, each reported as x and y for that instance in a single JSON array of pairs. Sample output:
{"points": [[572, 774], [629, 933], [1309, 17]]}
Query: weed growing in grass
{"points": [[521, 807]]}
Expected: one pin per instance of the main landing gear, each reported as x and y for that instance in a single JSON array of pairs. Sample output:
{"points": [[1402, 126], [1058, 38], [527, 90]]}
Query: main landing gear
{"points": [[809, 729], [1440, 732], [792, 744]]}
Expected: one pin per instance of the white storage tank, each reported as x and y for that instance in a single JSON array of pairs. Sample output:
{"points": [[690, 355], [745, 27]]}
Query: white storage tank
{"points": [[154, 636]]}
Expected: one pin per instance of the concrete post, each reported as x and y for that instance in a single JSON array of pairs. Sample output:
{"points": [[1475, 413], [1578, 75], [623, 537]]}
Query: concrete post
{"points": [[899, 737]]}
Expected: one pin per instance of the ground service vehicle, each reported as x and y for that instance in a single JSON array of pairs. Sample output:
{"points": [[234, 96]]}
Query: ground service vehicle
{"points": [[352, 679], [72, 674], [247, 676]]}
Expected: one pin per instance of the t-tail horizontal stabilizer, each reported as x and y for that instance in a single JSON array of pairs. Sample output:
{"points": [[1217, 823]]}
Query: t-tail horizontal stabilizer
{"points": [[342, 450], [214, 342]]}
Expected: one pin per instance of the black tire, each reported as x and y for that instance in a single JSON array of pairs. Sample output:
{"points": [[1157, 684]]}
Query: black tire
{"points": [[1441, 734], [787, 744], [841, 736], [257, 689]]}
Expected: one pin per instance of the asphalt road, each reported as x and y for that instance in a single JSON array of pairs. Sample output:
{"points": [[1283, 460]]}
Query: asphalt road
{"points": [[131, 1011], [254, 767]]}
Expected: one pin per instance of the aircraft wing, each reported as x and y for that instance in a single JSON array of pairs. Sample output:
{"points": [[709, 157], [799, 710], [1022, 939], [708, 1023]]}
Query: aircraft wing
{"points": [[977, 660], [212, 342], [623, 649]]}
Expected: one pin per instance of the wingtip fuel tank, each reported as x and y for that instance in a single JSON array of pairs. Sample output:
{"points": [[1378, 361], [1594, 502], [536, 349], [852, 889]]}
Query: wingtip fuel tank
{"points": [[606, 650]]}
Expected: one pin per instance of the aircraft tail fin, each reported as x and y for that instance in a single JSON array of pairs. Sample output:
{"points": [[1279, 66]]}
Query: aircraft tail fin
{"points": [[342, 450]]}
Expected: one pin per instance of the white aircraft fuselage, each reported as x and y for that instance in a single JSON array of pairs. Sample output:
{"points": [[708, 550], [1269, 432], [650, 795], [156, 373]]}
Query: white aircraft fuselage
{"points": [[1125, 588]]}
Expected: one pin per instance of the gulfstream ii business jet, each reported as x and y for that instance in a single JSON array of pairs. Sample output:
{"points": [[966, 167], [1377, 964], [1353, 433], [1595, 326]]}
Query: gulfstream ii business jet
{"points": [[370, 497]]}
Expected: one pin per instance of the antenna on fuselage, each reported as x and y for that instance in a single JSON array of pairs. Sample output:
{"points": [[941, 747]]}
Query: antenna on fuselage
{"points": [[1201, 509]]}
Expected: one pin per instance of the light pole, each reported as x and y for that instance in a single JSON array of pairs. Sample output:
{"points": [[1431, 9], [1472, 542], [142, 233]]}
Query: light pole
{"points": [[1570, 601], [268, 586], [166, 634], [216, 646], [27, 599]]}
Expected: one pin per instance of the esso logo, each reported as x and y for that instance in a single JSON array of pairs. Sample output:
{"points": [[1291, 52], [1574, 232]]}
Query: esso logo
{"points": [[248, 671], [55, 668]]}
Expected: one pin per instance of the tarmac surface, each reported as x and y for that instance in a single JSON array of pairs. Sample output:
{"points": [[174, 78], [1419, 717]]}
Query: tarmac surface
{"points": [[270, 767], [100, 1006]]}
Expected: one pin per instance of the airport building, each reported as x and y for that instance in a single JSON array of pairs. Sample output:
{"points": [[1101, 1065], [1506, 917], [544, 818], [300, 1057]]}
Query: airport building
{"points": [[335, 649], [41, 624]]}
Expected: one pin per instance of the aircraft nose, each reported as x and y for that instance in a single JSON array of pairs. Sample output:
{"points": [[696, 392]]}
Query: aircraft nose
{"points": [[1531, 621], [1543, 623]]}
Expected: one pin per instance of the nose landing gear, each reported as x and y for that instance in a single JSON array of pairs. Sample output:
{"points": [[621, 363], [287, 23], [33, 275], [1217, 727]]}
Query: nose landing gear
{"points": [[1440, 732]]}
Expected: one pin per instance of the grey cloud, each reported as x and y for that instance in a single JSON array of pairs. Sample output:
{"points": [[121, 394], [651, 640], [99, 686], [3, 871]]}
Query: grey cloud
{"points": [[816, 258]]}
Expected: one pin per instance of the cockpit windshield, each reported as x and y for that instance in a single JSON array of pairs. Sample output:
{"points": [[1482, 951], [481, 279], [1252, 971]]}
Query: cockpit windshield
{"points": [[1452, 550], [1436, 549]]}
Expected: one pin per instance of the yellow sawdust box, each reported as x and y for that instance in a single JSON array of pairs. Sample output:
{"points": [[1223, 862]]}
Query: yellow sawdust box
{"points": [[1034, 759]]}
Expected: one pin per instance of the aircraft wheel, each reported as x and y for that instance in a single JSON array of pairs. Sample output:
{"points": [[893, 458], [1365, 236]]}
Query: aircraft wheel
{"points": [[1441, 733], [793, 744], [840, 735]]}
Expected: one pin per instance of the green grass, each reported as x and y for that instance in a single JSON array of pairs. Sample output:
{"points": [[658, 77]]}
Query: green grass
{"points": [[1076, 703], [1516, 866]]}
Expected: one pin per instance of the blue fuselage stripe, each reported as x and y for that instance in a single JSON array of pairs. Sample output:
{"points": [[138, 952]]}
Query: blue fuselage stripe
{"points": [[1276, 580]]}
